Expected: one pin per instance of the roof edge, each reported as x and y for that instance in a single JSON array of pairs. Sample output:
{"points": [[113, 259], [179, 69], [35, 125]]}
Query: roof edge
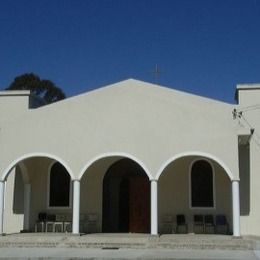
{"points": [[15, 93], [245, 86], [248, 86]]}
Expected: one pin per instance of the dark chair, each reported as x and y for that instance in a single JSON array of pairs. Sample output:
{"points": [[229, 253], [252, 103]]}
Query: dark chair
{"points": [[167, 224], [221, 224], [42, 216], [181, 224], [198, 224], [41, 222], [209, 225]]}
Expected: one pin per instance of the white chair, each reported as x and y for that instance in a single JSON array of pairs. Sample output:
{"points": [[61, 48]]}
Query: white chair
{"points": [[39, 226], [49, 226], [58, 224], [67, 224]]}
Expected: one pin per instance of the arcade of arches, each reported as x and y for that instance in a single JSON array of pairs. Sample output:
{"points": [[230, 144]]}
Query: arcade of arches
{"points": [[119, 192]]}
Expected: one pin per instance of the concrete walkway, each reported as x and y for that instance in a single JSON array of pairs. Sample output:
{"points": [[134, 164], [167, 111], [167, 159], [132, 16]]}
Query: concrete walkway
{"points": [[127, 246], [127, 254], [130, 241]]}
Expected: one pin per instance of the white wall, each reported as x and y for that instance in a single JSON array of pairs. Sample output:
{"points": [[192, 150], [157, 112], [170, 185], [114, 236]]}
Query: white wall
{"points": [[147, 121], [248, 94], [249, 105], [13, 104]]}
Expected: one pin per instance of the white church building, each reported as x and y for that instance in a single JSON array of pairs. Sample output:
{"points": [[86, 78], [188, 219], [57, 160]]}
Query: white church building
{"points": [[130, 157]]}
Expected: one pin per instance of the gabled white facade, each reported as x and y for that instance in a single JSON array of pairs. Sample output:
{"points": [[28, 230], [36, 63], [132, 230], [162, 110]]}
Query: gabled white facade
{"points": [[162, 130]]}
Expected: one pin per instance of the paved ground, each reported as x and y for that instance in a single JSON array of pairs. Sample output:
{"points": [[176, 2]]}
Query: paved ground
{"points": [[79, 253], [130, 241], [127, 246]]}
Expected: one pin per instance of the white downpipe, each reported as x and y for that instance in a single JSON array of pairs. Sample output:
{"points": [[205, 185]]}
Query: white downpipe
{"points": [[27, 203], [154, 207], [2, 190], [76, 206], [236, 208]]}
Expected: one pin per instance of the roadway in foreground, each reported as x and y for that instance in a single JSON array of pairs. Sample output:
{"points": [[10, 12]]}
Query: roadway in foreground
{"points": [[127, 254]]}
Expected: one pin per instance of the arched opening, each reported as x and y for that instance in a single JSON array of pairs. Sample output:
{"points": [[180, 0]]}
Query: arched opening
{"points": [[34, 185], [126, 198], [193, 185]]}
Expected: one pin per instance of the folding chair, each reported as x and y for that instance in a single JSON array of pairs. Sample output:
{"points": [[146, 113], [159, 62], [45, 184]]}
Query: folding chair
{"points": [[167, 224], [221, 224], [198, 224], [181, 224], [209, 227], [40, 223]]}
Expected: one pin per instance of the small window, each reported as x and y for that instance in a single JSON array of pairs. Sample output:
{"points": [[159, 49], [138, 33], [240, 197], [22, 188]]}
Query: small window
{"points": [[202, 194], [59, 186]]}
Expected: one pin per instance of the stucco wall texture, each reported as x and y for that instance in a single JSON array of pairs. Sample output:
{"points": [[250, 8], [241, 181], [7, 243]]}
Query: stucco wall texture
{"points": [[161, 129]]}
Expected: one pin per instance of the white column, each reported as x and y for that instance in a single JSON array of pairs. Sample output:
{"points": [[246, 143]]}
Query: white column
{"points": [[76, 206], [154, 207], [2, 190], [27, 202], [236, 208]]}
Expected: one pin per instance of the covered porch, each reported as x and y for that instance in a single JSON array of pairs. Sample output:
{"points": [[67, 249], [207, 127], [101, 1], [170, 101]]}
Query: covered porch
{"points": [[105, 198]]}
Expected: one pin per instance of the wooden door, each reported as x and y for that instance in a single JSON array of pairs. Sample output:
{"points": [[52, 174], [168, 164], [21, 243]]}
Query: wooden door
{"points": [[139, 205]]}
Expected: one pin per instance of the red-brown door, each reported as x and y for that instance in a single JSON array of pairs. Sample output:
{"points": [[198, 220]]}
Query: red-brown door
{"points": [[139, 205]]}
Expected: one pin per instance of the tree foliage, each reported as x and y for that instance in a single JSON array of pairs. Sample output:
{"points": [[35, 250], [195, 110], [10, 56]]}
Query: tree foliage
{"points": [[42, 88]]}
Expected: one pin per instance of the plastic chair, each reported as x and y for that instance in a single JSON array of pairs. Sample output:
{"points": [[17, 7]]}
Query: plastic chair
{"points": [[181, 224], [198, 224], [58, 224], [167, 224], [221, 224], [83, 223], [67, 224], [92, 220], [50, 223], [209, 227], [40, 223]]}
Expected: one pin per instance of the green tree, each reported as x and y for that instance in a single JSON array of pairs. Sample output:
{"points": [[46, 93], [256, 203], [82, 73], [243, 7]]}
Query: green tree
{"points": [[42, 88]]}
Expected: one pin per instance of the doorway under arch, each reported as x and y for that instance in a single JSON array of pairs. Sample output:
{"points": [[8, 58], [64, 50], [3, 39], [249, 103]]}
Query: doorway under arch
{"points": [[126, 198]]}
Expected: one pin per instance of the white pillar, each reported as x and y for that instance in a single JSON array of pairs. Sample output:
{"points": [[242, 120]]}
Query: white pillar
{"points": [[27, 202], [2, 190], [236, 208], [154, 207], [76, 206]]}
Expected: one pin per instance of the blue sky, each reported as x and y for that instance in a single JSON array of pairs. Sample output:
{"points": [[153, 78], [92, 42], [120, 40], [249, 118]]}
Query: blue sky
{"points": [[201, 46]]}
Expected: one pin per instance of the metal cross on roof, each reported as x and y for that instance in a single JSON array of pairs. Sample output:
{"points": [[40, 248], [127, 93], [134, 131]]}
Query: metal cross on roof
{"points": [[156, 73]]}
